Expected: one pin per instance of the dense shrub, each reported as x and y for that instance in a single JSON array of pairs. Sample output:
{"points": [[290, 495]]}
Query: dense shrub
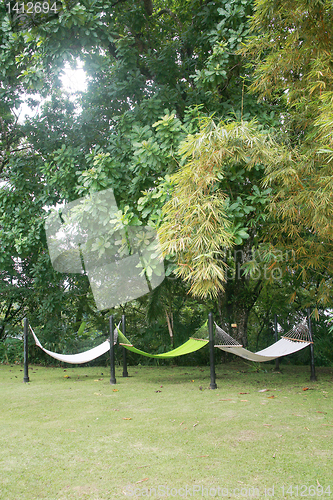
{"points": [[11, 350]]}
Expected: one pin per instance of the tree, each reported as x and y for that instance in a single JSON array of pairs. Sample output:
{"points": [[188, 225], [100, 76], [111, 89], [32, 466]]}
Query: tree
{"points": [[291, 53], [217, 215], [155, 70]]}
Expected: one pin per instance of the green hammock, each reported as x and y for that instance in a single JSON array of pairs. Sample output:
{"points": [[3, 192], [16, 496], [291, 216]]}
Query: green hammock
{"points": [[191, 345]]}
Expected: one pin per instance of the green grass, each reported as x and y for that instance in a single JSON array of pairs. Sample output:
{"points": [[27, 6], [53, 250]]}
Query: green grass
{"points": [[69, 434]]}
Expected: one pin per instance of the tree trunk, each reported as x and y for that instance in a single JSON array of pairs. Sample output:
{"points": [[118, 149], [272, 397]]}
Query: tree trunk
{"points": [[8, 316], [169, 318], [149, 7], [240, 295]]}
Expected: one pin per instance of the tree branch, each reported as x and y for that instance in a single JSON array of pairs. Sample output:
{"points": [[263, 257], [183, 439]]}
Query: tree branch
{"points": [[172, 14], [118, 1]]}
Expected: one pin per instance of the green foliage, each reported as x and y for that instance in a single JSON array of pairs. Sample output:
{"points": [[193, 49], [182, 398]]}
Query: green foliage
{"points": [[291, 53], [151, 203], [155, 71], [200, 221], [11, 351], [331, 326]]}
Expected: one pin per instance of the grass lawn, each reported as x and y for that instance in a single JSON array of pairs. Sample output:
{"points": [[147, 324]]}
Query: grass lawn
{"points": [[162, 433]]}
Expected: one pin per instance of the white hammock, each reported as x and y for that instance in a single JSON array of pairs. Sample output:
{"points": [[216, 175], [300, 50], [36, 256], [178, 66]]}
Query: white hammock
{"points": [[76, 359], [288, 344]]}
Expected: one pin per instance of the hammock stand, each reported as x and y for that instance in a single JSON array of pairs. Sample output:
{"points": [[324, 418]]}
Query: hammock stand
{"points": [[75, 359], [191, 345], [188, 347], [296, 339]]}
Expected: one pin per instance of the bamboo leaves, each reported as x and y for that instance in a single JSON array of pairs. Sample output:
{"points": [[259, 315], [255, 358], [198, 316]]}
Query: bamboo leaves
{"points": [[198, 227]]}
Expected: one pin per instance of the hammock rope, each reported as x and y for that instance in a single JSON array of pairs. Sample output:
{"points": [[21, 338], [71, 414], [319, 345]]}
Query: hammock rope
{"points": [[189, 346], [294, 340], [223, 339], [299, 333]]}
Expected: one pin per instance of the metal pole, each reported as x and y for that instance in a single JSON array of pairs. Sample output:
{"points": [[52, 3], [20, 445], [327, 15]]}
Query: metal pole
{"points": [[211, 352], [112, 367], [277, 361], [313, 377], [26, 359], [123, 323]]}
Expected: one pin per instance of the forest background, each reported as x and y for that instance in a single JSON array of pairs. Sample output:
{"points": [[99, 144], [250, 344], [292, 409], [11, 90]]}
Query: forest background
{"points": [[212, 122]]}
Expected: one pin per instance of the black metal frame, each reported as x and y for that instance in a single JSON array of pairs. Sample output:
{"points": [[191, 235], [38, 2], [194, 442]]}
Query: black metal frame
{"points": [[313, 377], [277, 361], [112, 362], [123, 324], [211, 352], [26, 347]]}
